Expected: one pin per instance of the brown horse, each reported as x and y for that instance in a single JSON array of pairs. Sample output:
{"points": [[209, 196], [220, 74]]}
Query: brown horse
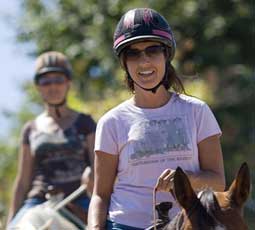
{"points": [[208, 210]]}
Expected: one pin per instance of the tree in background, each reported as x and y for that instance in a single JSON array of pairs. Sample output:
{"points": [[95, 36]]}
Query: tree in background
{"points": [[214, 43]]}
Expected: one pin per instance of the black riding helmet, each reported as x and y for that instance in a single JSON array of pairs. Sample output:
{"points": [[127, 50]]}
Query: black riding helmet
{"points": [[52, 61], [143, 24]]}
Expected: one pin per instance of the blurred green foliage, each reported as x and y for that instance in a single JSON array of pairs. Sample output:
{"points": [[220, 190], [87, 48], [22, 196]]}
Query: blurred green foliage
{"points": [[214, 57]]}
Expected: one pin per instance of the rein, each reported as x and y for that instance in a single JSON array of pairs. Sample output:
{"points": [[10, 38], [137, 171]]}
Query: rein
{"points": [[154, 207]]}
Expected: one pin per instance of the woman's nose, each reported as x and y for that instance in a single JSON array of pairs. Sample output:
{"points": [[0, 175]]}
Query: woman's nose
{"points": [[143, 57]]}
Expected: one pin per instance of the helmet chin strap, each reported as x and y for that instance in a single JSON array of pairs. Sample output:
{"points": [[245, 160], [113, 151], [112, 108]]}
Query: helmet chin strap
{"points": [[57, 106], [153, 89]]}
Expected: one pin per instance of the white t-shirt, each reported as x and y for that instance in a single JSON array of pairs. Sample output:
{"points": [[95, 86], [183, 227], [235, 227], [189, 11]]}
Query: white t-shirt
{"points": [[148, 141]]}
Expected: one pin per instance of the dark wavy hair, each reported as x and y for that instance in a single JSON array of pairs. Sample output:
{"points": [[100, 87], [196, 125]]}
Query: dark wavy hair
{"points": [[170, 80]]}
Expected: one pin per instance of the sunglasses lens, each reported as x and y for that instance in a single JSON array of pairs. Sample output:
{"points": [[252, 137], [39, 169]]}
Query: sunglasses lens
{"points": [[46, 81], [154, 50], [60, 80], [151, 51], [132, 53]]}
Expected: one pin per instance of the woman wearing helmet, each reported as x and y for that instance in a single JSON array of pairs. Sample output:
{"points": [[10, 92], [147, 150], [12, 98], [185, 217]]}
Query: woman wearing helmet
{"points": [[141, 142], [57, 146]]}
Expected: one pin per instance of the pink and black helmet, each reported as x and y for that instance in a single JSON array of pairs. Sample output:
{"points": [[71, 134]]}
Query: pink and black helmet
{"points": [[143, 24]]}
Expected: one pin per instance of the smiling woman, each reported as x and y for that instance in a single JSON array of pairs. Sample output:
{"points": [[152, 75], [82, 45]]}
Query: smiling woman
{"points": [[56, 147], [143, 140]]}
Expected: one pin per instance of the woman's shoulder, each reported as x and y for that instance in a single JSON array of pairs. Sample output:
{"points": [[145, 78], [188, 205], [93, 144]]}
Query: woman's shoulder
{"points": [[189, 100], [81, 116], [116, 112], [28, 125], [26, 131], [85, 122]]}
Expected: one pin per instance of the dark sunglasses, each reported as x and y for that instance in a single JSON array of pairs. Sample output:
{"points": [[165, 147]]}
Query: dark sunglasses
{"points": [[46, 81], [150, 51]]}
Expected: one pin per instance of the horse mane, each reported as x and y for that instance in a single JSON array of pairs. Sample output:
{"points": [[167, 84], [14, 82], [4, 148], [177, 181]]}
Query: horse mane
{"points": [[209, 206], [208, 200], [205, 208]]}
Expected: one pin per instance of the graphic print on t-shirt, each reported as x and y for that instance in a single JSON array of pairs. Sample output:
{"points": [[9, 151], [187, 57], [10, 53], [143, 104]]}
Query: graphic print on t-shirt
{"points": [[60, 155], [154, 139]]}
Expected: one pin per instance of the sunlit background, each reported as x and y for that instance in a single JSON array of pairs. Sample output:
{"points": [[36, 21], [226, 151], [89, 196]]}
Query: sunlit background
{"points": [[215, 59], [16, 66]]}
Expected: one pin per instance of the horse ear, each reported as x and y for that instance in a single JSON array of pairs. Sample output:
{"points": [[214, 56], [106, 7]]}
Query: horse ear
{"points": [[240, 187], [182, 188]]}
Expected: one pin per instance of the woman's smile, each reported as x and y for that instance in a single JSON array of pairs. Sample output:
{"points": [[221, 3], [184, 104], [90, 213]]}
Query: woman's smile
{"points": [[147, 73]]}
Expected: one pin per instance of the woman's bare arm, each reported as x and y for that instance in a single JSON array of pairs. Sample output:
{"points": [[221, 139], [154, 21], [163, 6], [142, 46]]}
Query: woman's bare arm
{"points": [[211, 172], [211, 165], [88, 178], [23, 180], [105, 175]]}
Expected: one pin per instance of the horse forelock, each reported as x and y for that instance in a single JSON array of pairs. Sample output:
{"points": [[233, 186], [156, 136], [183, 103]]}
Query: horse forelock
{"points": [[208, 200], [210, 206]]}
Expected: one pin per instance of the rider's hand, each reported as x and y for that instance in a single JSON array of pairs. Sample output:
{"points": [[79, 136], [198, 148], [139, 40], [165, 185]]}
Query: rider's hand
{"points": [[165, 181], [87, 180]]}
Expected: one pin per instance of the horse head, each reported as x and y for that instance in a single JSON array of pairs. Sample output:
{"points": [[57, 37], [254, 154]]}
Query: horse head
{"points": [[210, 210]]}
